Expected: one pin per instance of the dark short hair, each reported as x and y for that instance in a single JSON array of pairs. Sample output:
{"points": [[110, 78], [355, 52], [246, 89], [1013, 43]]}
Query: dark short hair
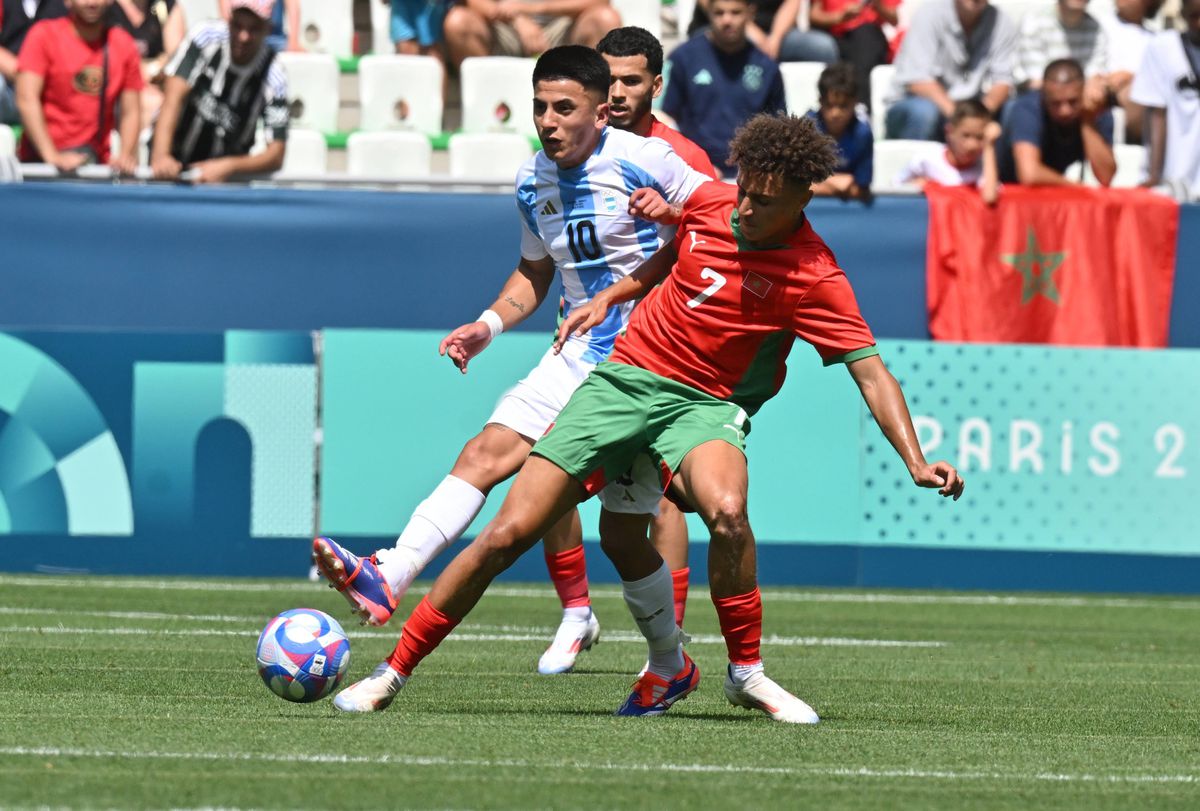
{"points": [[577, 63], [633, 41], [838, 79], [969, 108], [1062, 71], [784, 146]]}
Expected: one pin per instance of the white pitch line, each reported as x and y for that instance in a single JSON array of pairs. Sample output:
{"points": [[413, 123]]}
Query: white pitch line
{"points": [[531, 635], [695, 768], [769, 594]]}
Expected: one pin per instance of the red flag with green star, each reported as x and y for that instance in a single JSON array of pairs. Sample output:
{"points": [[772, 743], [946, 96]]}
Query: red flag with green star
{"points": [[1082, 266]]}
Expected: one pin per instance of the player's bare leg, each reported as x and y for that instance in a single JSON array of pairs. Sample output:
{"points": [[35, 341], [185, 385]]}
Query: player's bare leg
{"points": [[713, 478], [540, 496], [669, 535], [578, 629]]}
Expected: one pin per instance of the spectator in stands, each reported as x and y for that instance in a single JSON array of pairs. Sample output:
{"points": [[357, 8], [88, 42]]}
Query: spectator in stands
{"points": [[843, 119], [1167, 84], [954, 50], [967, 159], [850, 30], [1066, 31], [1052, 128], [72, 73], [220, 84], [16, 18], [157, 27], [285, 25], [524, 27], [719, 80], [772, 30], [416, 26], [1128, 35], [635, 64]]}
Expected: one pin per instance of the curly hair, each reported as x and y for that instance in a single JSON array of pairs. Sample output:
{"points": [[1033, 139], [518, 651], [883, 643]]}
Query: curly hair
{"points": [[784, 146]]}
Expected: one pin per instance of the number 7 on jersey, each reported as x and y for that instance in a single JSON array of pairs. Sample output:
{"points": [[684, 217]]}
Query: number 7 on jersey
{"points": [[718, 281]]}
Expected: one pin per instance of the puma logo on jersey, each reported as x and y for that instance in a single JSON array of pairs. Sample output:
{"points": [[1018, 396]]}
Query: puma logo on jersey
{"points": [[549, 209], [695, 241]]}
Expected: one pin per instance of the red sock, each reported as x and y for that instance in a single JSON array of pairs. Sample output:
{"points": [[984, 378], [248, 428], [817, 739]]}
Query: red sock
{"points": [[424, 631], [679, 579], [741, 625], [568, 571]]}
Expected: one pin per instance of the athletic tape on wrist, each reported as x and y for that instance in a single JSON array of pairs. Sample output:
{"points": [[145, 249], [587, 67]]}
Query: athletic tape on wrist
{"points": [[492, 319]]}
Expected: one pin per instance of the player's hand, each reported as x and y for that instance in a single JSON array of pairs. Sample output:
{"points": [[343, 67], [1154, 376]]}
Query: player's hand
{"points": [[581, 319], [465, 343], [941, 475], [649, 205]]}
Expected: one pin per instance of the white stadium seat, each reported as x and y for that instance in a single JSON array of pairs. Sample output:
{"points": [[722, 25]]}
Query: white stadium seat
{"points": [[400, 93], [890, 158], [312, 90], [327, 26], [685, 10], [8, 141], [388, 155], [381, 28], [800, 85], [495, 155], [497, 94], [198, 11], [881, 87], [306, 153], [642, 13], [1131, 165], [1118, 114]]}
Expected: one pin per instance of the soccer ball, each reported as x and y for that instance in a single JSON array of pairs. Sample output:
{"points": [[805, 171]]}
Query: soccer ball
{"points": [[303, 654]]}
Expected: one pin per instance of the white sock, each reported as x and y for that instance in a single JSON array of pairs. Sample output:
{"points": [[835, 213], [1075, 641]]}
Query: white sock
{"points": [[437, 522], [743, 672], [581, 613], [651, 600]]}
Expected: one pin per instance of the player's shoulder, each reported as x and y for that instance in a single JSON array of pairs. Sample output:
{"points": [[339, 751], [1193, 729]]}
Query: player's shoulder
{"points": [[713, 197]]}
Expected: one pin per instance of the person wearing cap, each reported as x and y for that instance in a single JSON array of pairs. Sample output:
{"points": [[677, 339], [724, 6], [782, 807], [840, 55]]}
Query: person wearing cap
{"points": [[221, 83]]}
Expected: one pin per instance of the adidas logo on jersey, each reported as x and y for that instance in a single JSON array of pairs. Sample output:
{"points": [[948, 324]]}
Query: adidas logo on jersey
{"points": [[549, 209]]}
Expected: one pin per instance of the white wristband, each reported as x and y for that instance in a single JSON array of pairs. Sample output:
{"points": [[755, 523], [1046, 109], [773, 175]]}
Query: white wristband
{"points": [[492, 319]]}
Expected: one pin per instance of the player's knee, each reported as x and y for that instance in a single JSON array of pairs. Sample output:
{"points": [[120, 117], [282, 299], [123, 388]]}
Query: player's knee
{"points": [[504, 541], [727, 517]]}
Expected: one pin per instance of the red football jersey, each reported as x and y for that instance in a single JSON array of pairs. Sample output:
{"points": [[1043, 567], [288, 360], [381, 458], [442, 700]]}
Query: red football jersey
{"points": [[692, 155], [725, 319], [72, 73]]}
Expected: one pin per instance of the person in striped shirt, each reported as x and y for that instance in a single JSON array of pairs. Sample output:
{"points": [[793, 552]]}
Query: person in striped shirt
{"points": [[1065, 31]]}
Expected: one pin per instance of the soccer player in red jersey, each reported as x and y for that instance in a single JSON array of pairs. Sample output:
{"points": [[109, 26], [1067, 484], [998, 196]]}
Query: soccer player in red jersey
{"points": [[702, 353]]}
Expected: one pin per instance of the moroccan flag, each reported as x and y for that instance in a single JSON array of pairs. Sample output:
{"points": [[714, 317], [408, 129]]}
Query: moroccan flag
{"points": [[1083, 266]]}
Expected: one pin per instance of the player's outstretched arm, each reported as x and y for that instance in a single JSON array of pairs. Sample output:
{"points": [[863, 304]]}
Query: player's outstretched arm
{"points": [[525, 289], [650, 205], [886, 401], [637, 284]]}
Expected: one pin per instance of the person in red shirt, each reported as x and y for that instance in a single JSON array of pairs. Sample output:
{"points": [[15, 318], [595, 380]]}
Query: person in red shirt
{"points": [[65, 65], [702, 353], [851, 31]]}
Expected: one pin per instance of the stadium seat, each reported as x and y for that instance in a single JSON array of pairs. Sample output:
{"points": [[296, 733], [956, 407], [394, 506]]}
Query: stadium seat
{"points": [[642, 13], [1118, 114], [497, 94], [8, 141], [684, 11], [198, 11], [381, 28], [890, 158], [306, 154], [388, 155], [312, 90], [881, 86], [800, 85], [400, 93], [327, 27], [1131, 165], [495, 155]]}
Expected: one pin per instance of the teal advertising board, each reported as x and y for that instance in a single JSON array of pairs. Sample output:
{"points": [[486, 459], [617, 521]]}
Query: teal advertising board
{"points": [[1067, 450]]}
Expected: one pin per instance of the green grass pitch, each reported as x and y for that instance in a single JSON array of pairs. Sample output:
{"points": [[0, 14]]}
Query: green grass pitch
{"points": [[142, 693]]}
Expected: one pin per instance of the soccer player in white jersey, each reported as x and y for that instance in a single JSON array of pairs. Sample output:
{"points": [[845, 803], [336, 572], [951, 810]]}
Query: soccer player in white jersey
{"points": [[588, 201]]}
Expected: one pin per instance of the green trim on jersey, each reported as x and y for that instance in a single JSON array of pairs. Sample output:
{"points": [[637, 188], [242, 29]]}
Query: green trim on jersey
{"points": [[736, 228], [758, 383], [850, 357]]}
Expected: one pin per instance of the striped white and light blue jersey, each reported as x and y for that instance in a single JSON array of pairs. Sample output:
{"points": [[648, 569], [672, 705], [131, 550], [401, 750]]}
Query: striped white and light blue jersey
{"points": [[580, 218]]}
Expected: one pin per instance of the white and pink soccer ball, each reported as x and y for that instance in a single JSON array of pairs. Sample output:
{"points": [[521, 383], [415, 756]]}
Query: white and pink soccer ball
{"points": [[303, 654]]}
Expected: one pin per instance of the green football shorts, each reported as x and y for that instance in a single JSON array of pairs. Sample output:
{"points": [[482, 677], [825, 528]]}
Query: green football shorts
{"points": [[620, 411]]}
